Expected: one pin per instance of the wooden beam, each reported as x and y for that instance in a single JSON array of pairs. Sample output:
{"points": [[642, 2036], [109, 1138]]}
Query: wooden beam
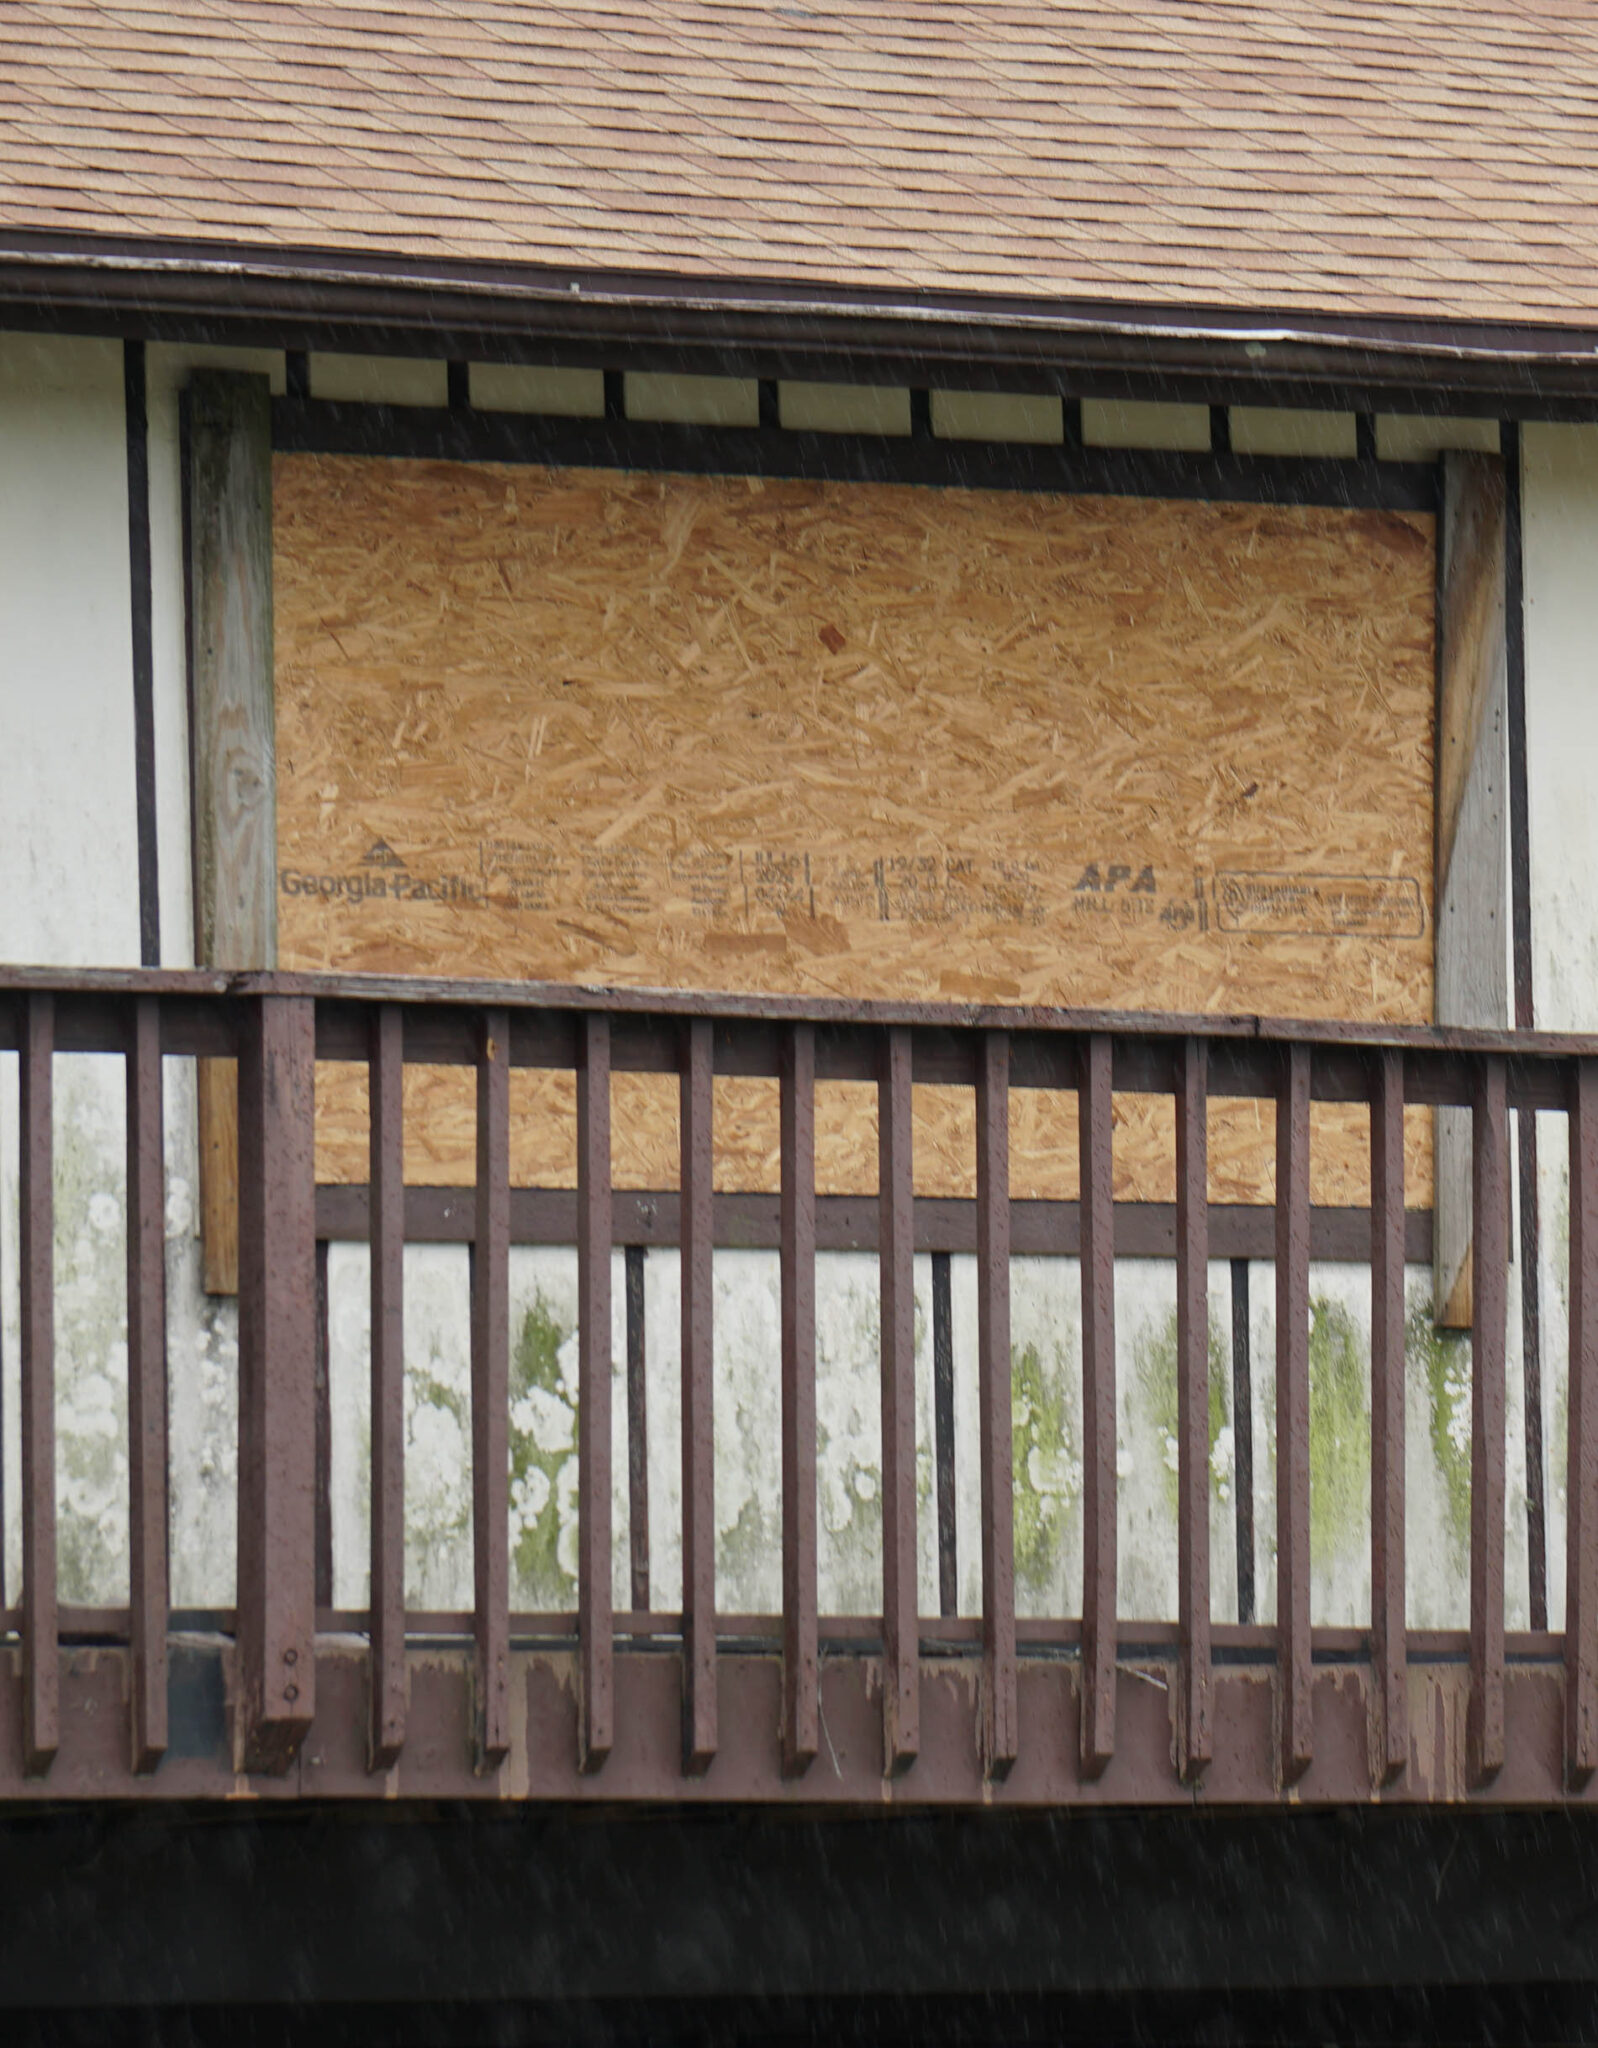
{"points": [[228, 480], [1472, 917]]}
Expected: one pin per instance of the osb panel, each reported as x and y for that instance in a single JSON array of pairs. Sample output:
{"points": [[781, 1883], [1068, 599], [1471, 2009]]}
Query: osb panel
{"points": [[856, 740]]}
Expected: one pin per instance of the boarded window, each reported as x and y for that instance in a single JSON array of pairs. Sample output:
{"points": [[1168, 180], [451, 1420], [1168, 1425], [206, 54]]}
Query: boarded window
{"points": [[862, 740]]}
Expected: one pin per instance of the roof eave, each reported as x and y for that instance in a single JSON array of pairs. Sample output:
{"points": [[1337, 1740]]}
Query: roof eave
{"points": [[318, 298]]}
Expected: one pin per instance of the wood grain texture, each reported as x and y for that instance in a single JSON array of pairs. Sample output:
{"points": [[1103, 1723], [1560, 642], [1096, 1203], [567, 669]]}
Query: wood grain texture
{"points": [[228, 419], [1472, 931], [217, 1104], [719, 733]]}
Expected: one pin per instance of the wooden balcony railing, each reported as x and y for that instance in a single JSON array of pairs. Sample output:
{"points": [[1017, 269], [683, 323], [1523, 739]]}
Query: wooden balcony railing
{"points": [[281, 1698]]}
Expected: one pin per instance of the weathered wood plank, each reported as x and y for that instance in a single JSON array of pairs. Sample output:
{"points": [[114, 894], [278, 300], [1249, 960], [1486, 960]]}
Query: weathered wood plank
{"points": [[228, 480], [1472, 929]]}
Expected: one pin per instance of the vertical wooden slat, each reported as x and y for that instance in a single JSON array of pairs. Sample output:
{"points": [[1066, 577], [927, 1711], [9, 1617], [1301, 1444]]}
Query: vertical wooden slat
{"points": [[217, 1117], [1484, 1725], [227, 438], [1193, 1404], [896, 1252], [491, 1392], [135, 411], [41, 1673], [386, 1083], [637, 1429], [1388, 1655], [1581, 1541], [1243, 1441], [324, 1431], [1000, 1720], [147, 1389], [277, 1379], [1295, 1674], [1099, 1558], [699, 1725], [943, 1433], [798, 1229], [595, 1620]]}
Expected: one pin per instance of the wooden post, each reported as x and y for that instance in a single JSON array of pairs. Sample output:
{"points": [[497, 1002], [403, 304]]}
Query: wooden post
{"points": [[228, 440], [277, 1383], [1472, 862]]}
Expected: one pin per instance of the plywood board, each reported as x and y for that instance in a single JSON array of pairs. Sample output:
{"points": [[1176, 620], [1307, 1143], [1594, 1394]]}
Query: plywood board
{"points": [[860, 740]]}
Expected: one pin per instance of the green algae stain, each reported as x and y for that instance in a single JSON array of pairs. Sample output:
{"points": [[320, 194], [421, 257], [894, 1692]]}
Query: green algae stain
{"points": [[1154, 1364], [91, 1343], [1046, 1461], [744, 1549], [1339, 1430], [1443, 1358], [543, 1462]]}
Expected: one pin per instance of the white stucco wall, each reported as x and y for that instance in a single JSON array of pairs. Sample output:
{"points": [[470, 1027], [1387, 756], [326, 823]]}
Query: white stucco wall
{"points": [[69, 869], [1559, 472]]}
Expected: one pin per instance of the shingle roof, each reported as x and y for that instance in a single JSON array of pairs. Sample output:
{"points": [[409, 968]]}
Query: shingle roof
{"points": [[1376, 157]]}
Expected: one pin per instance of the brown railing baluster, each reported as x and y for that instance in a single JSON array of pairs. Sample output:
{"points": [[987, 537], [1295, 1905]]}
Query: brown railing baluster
{"points": [[595, 1620], [798, 1230], [637, 1428], [896, 1254], [1193, 1403], [943, 1434], [491, 1392], [323, 1380], [41, 1670], [1295, 1672], [1095, 1121], [1484, 1723], [1000, 1721], [386, 1096], [699, 1725], [277, 1378], [147, 1410], [1581, 1536], [1388, 1650]]}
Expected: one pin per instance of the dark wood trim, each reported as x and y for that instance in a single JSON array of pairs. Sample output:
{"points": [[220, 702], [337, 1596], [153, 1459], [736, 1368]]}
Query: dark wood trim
{"points": [[1243, 1434], [437, 1764], [751, 1222], [170, 289], [323, 1552], [1519, 802], [199, 1016], [138, 455], [335, 427]]}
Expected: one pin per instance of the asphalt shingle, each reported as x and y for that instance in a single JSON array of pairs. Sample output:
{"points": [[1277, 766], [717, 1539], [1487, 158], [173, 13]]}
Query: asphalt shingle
{"points": [[1375, 157]]}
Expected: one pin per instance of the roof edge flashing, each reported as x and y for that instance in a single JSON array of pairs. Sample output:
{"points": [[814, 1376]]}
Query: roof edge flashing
{"points": [[227, 283]]}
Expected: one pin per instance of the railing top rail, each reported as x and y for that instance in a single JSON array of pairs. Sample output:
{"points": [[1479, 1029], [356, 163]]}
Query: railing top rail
{"points": [[208, 985]]}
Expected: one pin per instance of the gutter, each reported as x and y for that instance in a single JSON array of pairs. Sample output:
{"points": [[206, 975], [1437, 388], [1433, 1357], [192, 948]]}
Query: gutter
{"points": [[163, 289]]}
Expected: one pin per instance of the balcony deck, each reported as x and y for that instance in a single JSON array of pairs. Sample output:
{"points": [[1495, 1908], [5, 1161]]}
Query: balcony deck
{"points": [[287, 1698]]}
